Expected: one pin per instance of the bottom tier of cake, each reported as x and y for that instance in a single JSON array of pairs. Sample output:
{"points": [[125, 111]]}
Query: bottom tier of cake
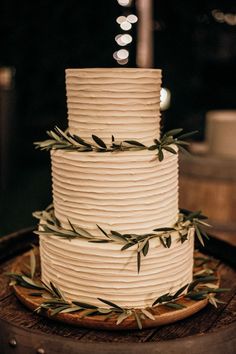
{"points": [[85, 271]]}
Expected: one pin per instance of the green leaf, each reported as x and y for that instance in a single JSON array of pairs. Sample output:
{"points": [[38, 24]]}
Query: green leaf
{"points": [[56, 291], [186, 212], [134, 142], [30, 282], [54, 135], [199, 221], [58, 310], [173, 132], [217, 290], [187, 135], [199, 235], [202, 231], [163, 298], [170, 149], [163, 242], [104, 311], [202, 280], [81, 141], [64, 135], [181, 143], [167, 140], [81, 232], [54, 302], [103, 231], [168, 241], [117, 234], [183, 238], [72, 309], [71, 226], [138, 320], [174, 305], [160, 155], [84, 305], [164, 229], [122, 317], [145, 248], [127, 245], [192, 215], [32, 264], [99, 141], [148, 314], [153, 147], [138, 261], [180, 291], [109, 303], [200, 295]]}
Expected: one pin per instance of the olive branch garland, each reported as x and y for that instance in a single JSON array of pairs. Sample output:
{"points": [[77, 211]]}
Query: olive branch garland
{"points": [[55, 302], [65, 140], [49, 225]]}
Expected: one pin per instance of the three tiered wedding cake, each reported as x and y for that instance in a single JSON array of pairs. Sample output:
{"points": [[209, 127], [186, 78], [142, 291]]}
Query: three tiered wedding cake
{"points": [[117, 231]]}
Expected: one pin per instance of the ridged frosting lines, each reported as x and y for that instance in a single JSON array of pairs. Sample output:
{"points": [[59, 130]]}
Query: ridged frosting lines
{"points": [[85, 271], [120, 102], [129, 191]]}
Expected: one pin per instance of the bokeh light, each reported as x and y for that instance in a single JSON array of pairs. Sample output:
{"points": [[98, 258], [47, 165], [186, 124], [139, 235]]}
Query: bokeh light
{"points": [[123, 61], [122, 54], [126, 26], [123, 39], [120, 19], [132, 18], [124, 2]]}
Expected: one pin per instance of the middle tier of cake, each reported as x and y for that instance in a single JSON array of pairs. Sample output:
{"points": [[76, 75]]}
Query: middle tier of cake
{"points": [[129, 191]]}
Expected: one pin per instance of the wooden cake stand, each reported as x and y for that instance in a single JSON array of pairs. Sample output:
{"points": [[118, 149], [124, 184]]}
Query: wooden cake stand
{"points": [[162, 313]]}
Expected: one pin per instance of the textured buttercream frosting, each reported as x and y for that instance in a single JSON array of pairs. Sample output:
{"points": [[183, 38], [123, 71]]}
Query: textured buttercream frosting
{"points": [[120, 102], [85, 271], [129, 191], [126, 191]]}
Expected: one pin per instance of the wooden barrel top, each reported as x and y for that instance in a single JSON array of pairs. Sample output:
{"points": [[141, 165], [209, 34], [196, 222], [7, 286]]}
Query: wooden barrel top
{"points": [[209, 331], [208, 183], [205, 165]]}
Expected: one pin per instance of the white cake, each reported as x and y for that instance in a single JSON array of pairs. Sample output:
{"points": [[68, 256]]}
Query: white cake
{"points": [[131, 192]]}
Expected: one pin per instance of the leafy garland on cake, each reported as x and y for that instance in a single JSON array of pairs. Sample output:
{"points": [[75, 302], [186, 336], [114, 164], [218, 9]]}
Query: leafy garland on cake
{"points": [[54, 301], [65, 140], [51, 226]]}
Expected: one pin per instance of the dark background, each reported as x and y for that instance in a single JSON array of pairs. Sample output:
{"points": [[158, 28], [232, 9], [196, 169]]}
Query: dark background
{"points": [[40, 39]]}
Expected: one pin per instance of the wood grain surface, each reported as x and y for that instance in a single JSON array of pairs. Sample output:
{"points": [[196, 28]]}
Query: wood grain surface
{"points": [[208, 183]]}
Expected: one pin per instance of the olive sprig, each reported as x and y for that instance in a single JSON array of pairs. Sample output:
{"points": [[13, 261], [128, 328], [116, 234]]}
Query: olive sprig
{"points": [[170, 139], [187, 221], [65, 140], [54, 302]]}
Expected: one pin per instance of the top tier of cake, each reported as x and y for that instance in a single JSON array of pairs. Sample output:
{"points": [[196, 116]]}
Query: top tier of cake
{"points": [[120, 102]]}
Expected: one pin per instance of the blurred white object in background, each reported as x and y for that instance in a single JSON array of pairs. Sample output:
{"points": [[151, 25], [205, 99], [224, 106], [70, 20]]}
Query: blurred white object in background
{"points": [[221, 133], [165, 98], [210, 174]]}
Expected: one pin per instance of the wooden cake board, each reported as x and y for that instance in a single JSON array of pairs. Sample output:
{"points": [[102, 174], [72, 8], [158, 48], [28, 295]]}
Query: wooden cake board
{"points": [[163, 315]]}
